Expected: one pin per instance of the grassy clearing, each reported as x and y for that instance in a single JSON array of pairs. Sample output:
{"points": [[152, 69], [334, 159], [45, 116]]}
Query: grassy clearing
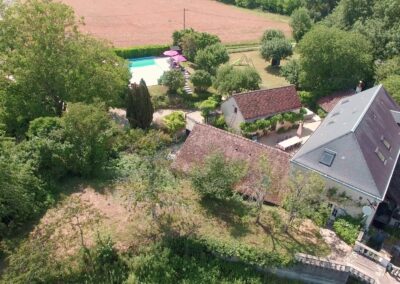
{"points": [[267, 15], [269, 75]]}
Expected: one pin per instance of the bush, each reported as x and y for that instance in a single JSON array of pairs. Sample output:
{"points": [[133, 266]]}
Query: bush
{"points": [[230, 79], [141, 51], [207, 106], [291, 71], [218, 176], [271, 34], [173, 80], [175, 121], [211, 57], [347, 228], [201, 80]]}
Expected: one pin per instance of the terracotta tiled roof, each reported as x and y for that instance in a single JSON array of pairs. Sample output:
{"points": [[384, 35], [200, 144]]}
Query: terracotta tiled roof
{"points": [[263, 103], [328, 103], [205, 140]]}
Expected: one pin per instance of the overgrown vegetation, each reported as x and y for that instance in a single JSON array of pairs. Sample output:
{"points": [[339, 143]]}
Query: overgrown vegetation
{"points": [[347, 228]]}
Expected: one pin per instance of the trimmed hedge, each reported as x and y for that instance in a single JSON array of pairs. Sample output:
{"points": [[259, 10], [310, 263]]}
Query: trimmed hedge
{"points": [[141, 51]]}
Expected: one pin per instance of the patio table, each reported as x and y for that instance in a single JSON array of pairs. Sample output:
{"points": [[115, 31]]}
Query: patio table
{"points": [[289, 143]]}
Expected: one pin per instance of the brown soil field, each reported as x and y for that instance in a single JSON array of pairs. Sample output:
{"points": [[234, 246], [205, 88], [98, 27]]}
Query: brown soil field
{"points": [[141, 22]]}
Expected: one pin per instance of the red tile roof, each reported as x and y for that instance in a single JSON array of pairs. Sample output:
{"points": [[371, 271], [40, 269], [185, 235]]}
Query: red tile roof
{"points": [[205, 140], [263, 103], [328, 103]]}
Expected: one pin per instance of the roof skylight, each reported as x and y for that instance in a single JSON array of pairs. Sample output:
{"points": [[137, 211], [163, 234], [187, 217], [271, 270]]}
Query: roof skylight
{"points": [[380, 155], [386, 143], [327, 157]]}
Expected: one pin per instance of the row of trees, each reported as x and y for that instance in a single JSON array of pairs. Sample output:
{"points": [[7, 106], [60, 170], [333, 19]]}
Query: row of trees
{"points": [[357, 41]]}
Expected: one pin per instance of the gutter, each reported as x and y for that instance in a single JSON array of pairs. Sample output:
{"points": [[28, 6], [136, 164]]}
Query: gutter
{"points": [[337, 180]]}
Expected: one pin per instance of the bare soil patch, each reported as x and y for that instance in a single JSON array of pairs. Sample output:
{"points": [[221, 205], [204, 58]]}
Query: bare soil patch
{"points": [[140, 22]]}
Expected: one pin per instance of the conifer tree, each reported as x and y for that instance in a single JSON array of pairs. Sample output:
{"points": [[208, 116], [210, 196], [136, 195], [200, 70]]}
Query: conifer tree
{"points": [[139, 110]]}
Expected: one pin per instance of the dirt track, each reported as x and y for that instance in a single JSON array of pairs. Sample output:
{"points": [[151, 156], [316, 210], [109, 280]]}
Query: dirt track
{"points": [[140, 22]]}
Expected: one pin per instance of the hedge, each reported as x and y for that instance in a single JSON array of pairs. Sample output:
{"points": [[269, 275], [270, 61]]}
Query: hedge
{"points": [[231, 251], [141, 51]]}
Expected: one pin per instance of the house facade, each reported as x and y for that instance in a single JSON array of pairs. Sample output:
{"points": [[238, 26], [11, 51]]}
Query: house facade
{"points": [[355, 150], [260, 104]]}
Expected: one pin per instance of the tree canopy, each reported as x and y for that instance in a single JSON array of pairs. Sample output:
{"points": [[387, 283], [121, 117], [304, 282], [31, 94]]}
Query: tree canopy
{"points": [[139, 110], [46, 62], [211, 57], [332, 59], [275, 47], [300, 22], [231, 79]]}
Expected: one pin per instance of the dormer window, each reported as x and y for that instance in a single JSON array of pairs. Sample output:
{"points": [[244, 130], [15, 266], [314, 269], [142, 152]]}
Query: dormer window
{"points": [[380, 156], [386, 143]]}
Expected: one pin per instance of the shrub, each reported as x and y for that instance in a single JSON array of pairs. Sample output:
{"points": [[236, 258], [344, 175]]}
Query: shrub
{"points": [[347, 228], [173, 80], [207, 106], [175, 121], [141, 51], [291, 71], [218, 176], [201, 80]]}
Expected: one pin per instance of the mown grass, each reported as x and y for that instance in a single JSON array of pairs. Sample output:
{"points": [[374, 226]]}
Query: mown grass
{"points": [[269, 75]]}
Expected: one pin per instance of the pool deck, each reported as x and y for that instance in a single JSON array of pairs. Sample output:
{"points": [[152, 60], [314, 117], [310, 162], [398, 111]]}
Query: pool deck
{"points": [[151, 73]]}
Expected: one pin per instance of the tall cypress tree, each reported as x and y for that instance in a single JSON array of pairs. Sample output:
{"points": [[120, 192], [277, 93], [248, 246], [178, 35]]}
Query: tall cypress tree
{"points": [[139, 109]]}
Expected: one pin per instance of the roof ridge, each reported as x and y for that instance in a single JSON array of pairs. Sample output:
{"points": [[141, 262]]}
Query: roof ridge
{"points": [[378, 88], [254, 91], [243, 138]]}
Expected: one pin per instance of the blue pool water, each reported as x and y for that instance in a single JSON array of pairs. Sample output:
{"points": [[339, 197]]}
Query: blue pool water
{"points": [[142, 62]]}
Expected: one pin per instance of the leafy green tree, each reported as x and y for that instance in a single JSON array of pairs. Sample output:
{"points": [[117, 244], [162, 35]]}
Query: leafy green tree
{"points": [[300, 22], [392, 86], [90, 131], [291, 71], [218, 176], [174, 122], [388, 68], [207, 106], [139, 110], [46, 62], [319, 9], [230, 79], [332, 59], [192, 41], [271, 34], [201, 80], [211, 57], [22, 194], [275, 50], [304, 196], [173, 80]]}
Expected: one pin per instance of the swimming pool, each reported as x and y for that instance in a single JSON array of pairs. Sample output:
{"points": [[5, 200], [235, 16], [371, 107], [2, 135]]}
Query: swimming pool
{"points": [[149, 69], [142, 62]]}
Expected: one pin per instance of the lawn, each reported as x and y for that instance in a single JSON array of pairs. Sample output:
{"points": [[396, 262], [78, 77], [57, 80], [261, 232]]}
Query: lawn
{"points": [[269, 75]]}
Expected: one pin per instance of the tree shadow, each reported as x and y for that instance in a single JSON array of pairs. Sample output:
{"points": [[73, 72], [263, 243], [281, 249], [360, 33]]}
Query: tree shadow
{"points": [[229, 211], [273, 70], [270, 232]]}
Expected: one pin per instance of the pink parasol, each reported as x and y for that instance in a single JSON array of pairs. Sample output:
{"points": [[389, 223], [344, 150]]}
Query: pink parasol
{"points": [[179, 58], [300, 129], [170, 53]]}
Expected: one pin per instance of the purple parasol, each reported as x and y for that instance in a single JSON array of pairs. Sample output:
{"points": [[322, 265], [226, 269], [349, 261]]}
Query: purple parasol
{"points": [[179, 58], [170, 53]]}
